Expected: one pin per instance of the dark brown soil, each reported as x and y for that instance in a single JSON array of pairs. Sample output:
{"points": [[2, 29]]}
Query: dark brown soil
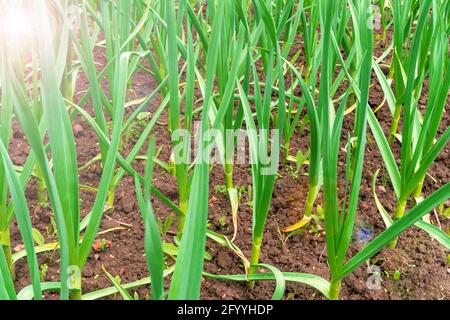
{"points": [[421, 261]]}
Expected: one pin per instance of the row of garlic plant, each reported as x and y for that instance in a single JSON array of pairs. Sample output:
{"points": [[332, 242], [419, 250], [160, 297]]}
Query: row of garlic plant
{"points": [[427, 61], [340, 215], [61, 174]]}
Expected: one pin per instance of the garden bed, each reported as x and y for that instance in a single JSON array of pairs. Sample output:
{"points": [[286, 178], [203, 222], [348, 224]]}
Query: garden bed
{"points": [[419, 264]]}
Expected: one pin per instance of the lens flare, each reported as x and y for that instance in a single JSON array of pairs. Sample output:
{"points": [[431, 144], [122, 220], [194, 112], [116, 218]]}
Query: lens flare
{"points": [[15, 25]]}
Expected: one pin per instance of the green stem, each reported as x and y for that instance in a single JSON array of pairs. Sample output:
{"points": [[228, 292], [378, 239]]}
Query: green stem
{"points": [[182, 218], [286, 152], [254, 259], [391, 72], [5, 240], [308, 73], [352, 164], [418, 192], [111, 195], [351, 99], [310, 200], [229, 175], [180, 227], [383, 20], [76, 295], [399, 212], [394, 126], [335, 289], [41, 187]]}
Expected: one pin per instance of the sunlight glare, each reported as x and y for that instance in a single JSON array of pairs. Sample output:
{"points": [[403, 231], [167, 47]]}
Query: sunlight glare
{"points": [[15, 24]]}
